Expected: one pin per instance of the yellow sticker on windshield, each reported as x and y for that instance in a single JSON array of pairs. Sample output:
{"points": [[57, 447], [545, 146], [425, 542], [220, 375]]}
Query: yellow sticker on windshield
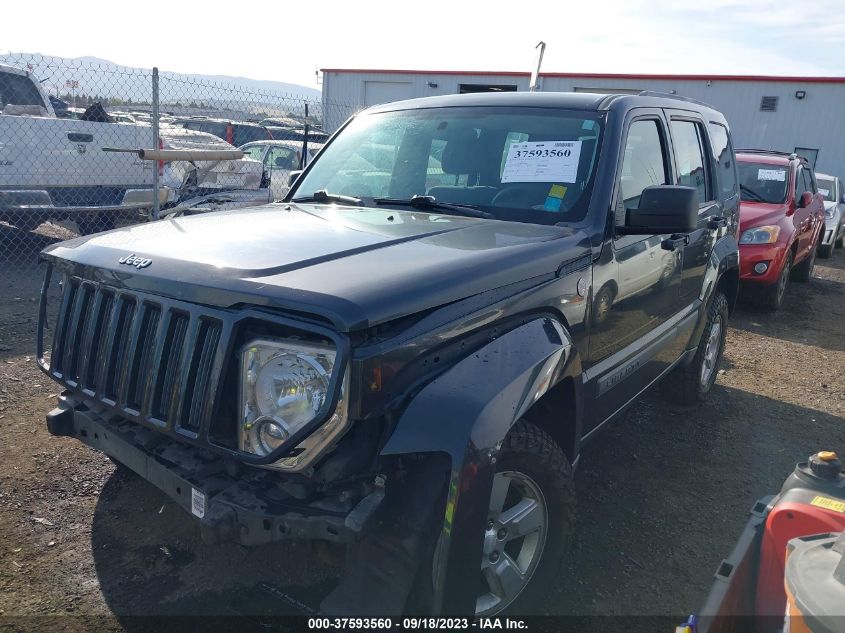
{"points": [[557, 191]]}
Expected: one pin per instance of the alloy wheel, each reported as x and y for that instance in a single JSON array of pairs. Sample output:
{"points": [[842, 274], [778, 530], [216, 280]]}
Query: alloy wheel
{"points": [[514, 538]]}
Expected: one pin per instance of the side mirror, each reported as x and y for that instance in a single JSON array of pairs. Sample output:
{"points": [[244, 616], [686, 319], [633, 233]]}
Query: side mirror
{"points": [[663, 209], [293, 176], [805, 200], [842, 199]]}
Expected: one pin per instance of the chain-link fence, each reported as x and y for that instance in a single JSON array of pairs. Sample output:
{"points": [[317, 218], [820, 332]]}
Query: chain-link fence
{"points": [[61, 121]]}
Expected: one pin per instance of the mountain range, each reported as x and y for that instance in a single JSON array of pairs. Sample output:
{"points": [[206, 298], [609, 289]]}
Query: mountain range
{"points": [[107, 79]]}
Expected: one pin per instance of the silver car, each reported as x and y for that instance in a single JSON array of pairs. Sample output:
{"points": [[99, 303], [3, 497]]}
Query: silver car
{"points": [[834, 213], [280, 158]]}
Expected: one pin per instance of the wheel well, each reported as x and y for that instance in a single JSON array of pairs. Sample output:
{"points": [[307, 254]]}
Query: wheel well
{"points": [[729, 284], [555, 413]]}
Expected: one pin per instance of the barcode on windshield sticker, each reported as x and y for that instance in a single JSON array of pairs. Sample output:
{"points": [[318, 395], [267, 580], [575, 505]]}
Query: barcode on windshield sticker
{"points": [[542, 161], [198, 502], [771, 174]]}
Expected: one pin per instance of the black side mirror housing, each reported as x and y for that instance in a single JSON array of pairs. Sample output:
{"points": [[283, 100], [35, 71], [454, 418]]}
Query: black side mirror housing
{"points": [[842, 199], [663, 209]]}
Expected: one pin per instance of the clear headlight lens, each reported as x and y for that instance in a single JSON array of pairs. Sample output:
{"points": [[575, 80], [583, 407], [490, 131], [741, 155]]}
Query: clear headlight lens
{"points": [[760, 235], [284, 385], [829, 212]]}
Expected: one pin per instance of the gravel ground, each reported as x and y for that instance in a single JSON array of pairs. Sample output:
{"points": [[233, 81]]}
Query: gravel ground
{"points": [[662, 495]]}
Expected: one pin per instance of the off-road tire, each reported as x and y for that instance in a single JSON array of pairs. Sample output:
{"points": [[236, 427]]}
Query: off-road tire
{"points": [[803, 272], [530, 450], [684, 384]]}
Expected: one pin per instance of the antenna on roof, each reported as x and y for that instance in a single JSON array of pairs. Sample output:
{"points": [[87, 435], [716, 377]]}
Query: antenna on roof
{"points": [[535, 74]]}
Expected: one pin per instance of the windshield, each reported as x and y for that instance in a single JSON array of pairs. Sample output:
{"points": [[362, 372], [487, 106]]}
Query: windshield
{"points": [[534, 165], [827, 188], [760, 182]]}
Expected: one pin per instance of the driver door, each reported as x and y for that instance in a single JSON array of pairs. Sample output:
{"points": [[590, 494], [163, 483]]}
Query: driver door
{"points": [[636, 283]]}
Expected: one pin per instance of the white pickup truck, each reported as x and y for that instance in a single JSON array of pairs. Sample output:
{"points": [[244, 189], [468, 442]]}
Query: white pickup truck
{"points": [[56, 168]]}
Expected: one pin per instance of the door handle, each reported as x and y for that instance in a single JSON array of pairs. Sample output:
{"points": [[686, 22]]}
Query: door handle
{"points": [[716, 222], [674, 242], [78, 137]]}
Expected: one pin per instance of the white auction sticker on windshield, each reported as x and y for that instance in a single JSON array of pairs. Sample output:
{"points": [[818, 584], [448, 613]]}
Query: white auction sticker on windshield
{"points": [[824, 192], [542, 161], [771, 174]]}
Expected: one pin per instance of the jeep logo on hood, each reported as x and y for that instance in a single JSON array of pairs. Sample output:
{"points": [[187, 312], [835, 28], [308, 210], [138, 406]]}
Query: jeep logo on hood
{"points": [[134, 260]]}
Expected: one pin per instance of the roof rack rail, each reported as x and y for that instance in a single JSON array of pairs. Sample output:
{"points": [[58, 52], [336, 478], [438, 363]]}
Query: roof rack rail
{"points": [[669, 95], [752, 150]]}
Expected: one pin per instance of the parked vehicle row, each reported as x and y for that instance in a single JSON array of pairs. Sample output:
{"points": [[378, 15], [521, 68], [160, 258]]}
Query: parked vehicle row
{"points": [[57, 168]]}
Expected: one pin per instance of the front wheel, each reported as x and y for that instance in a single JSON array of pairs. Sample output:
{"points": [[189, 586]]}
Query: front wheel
{"points": [[804, 271], [529, 523], [692, 384]]}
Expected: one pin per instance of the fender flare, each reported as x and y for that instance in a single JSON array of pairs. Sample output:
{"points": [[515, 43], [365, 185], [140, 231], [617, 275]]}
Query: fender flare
{"points": [[466, 412]]}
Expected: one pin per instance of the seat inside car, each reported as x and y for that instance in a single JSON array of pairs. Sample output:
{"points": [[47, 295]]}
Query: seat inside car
{"points": [[462, 156]]}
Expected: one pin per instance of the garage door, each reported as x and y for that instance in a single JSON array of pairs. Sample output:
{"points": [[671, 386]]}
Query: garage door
{"points": [[376, 92]]}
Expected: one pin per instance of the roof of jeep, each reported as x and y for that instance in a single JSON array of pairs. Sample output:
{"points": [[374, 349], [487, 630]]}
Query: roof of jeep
{"points": [[569, 100]]}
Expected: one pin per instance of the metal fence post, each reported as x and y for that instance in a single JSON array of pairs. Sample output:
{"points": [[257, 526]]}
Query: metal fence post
{"points": [[156, 184]]}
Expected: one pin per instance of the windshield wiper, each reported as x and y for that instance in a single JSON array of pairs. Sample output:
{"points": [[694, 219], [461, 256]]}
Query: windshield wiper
{"points": [[755, 197], [324, 196], [430, 202]]}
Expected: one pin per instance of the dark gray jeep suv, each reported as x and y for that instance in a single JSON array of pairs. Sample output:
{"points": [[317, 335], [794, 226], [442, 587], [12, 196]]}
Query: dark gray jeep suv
{"points": [[409, 352]]}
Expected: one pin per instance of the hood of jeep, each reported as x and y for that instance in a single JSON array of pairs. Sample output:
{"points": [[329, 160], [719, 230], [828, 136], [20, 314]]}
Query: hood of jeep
{"points": [[356, 266]]}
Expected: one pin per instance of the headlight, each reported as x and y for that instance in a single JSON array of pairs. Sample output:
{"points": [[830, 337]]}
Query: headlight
{"points": [[284, 387], [828, 213], [760, 235]]}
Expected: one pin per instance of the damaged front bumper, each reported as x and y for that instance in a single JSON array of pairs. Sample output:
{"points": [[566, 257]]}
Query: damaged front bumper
{"points": [[231, 502]]}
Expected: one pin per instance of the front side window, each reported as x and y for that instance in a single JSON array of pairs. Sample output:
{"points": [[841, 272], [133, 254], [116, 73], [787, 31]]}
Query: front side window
{"points": [[533, 165], [689, 153], [762, 182], [723, 152], [253, 152], [644, 163], [283, 158]]}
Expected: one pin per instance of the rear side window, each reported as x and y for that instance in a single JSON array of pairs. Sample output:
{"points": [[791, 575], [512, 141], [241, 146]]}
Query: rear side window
{"points": [[18, 90], [803, 182], [725, 161], [689, 153], [644, 163], [283, 158]]}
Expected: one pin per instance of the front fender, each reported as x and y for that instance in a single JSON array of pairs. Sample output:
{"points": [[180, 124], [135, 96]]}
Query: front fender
{"points": [[466, 412], [724, 256]]}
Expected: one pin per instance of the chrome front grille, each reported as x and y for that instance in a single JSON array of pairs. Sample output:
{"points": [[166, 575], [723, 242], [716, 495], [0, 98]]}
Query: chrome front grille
{"points": [[156, 361]]}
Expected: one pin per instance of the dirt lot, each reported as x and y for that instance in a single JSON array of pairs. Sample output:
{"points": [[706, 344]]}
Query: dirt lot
{"points": [[663, 494]]}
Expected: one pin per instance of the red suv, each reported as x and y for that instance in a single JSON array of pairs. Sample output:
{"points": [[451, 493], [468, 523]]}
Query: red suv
{"points": [[780, 220]]}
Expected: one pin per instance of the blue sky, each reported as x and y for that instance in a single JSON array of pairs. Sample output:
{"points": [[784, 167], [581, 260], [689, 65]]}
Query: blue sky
{"points": [[280, 41]]}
